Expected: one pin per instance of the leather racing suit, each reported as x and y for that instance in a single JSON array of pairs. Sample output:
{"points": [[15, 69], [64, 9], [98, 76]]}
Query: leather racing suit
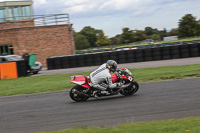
{"points": [[102, 79]]}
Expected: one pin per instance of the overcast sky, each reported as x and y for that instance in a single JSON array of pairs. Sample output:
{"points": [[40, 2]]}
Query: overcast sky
{"points": [[112, 15]]}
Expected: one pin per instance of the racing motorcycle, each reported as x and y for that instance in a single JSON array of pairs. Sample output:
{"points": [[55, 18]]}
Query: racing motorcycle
{"points": [[83, 90]]}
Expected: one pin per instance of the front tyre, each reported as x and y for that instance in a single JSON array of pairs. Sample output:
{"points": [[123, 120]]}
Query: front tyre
{"points": [[76, 97], [131, 89]]}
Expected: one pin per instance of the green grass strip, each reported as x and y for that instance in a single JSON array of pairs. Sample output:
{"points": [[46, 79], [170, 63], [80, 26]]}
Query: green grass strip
{"points": [[47, 83], [186, 125]]}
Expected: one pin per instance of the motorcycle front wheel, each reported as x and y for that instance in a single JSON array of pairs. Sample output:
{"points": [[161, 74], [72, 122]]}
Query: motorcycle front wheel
{"points": [[131, 89], [76, 97]]}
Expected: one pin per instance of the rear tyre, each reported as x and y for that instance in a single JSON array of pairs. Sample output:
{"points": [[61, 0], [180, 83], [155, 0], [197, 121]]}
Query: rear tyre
{"points": [[131, 89], [76, 97]]}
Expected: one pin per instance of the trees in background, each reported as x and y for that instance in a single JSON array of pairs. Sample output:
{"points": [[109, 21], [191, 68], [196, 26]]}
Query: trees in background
{"points": [[81, 41], [102, 40], [115, 40], [188, 26], [90, 37], [126, 36], [173, 32], [139, 35]]}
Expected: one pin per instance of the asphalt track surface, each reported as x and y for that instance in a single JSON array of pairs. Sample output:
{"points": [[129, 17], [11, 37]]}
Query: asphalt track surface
{"points": [[55, 110]]}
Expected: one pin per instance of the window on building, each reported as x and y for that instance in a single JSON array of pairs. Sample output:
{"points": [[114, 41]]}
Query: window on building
{"points": [[13, 13], [25, 12], [6, 49], [2, 14], [28, 11], [16, 13]]}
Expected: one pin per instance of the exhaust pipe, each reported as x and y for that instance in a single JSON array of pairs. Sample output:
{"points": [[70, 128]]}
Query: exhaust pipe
{"points": [[79, 93], [124, 86]]}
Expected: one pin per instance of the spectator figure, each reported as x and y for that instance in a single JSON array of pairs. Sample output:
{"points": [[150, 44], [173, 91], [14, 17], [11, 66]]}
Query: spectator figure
{"points": [[25, 56]]}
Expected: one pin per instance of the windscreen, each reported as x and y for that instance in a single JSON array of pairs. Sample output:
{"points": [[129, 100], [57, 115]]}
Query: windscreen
{"points": [[14, 58], [127, 72]]}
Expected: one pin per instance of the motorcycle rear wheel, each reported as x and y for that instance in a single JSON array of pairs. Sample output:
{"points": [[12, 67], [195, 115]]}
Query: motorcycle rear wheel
{"points": [[76, 97], [131, 89]]}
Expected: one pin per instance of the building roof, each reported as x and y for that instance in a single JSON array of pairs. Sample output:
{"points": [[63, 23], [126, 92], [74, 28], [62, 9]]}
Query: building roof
{"points": [[16, 3]]}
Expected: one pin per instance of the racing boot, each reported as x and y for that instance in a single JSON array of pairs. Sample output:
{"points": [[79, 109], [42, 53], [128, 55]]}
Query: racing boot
{"points": [[109, 90]]}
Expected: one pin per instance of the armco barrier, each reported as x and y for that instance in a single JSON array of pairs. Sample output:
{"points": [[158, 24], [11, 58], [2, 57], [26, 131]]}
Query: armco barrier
{"points": [[190, 49]]}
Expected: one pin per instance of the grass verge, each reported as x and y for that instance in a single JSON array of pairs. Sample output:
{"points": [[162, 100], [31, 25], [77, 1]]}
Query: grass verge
{"points": [[186, 125], [47, 83]]}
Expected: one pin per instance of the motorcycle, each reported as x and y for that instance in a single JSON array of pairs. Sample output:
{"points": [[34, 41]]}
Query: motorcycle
{"points": [[83, 90]]}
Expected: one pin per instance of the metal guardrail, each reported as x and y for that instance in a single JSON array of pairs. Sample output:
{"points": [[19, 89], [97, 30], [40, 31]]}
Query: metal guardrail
{"points": [[55, 19], [35, 20]]}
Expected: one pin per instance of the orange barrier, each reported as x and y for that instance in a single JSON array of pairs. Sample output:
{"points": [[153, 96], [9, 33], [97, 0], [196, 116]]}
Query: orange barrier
{"points": [[8, 70]]}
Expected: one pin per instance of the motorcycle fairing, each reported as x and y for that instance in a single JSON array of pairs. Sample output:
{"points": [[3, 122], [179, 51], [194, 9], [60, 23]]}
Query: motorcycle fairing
{"points": [[79, 80], [114, 77]]}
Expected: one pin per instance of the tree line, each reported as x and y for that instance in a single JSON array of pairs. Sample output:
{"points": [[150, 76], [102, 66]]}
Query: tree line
{"points": [[88, 37]]}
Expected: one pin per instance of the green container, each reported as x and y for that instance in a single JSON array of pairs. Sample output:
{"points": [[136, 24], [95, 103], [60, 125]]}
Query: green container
{"points": [[32, 59]]}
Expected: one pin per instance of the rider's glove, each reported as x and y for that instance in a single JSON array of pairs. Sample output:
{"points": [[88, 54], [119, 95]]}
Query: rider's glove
{"points": [[119, 76]]}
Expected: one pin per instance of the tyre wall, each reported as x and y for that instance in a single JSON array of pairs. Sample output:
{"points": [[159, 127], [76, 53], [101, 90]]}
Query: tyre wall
{"points": [[126, 56], [22, 68]]}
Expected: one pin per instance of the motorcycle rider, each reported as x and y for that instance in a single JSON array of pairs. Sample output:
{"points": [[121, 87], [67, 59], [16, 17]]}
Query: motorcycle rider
{"points": [[101, 78]]}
